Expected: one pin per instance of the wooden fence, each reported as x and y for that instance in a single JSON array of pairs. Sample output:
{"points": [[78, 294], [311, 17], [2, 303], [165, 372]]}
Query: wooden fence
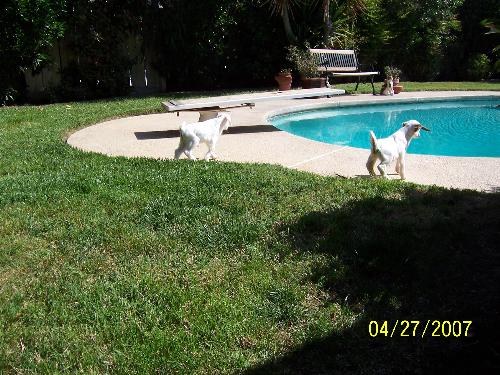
{"points": [[143, 79]]}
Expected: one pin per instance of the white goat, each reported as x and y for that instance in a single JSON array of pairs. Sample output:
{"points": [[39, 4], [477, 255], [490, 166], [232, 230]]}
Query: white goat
{"points": [[207, 132], [388, 88], [393, 148]]}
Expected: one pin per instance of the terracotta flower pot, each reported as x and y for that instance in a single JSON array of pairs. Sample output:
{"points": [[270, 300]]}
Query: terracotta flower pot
{"points": [[284, 81], [313, 83], [398, 89]]}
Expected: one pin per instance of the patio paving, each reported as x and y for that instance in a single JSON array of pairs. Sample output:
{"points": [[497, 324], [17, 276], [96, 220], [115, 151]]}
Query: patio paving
{"points": [[252, 139]]}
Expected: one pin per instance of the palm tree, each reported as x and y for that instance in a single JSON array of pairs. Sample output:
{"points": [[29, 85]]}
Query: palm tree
{"points": [[327, 23], [491, 24], [284, 9], [347, 7]]}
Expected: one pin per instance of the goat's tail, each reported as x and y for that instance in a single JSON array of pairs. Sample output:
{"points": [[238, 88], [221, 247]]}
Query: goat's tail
{"points": [[373, 141]]}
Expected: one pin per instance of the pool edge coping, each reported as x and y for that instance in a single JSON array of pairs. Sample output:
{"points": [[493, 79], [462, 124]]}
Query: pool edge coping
{"points": [[339, 104]]}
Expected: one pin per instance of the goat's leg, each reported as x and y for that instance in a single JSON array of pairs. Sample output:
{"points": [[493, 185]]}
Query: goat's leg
{"points": [[179, 150], [398, 166], [210, 155], [191, 146], [370, 164], [211, 151], [402, 167], [381, 167]]}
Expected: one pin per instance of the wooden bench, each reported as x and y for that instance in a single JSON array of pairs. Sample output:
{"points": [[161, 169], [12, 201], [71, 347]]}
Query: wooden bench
{"points": [[341, 63]]}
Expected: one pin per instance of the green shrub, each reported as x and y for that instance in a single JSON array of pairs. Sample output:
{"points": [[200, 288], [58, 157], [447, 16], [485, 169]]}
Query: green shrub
{"points": [[303, 61], [8, 96], [392, 71], [479, 67]]}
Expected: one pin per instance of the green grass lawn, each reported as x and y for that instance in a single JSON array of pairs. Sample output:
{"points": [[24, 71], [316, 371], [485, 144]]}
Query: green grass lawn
{"points": [[424, 86], [114, 265]]}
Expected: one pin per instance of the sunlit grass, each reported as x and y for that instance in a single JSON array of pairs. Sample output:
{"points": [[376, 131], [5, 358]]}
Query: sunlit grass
{"points": [[144, 266], [366, 88]]}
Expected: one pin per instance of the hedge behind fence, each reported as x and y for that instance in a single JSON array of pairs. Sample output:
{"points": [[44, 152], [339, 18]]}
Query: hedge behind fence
{"points": [[232, 43]]}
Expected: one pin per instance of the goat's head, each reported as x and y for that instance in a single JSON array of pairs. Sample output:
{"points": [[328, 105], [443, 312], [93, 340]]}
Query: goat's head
{"points": [[412, 128], [226, 120]]}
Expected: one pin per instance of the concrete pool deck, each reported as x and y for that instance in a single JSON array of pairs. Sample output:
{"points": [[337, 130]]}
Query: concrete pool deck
{"points": [[252, 139]]}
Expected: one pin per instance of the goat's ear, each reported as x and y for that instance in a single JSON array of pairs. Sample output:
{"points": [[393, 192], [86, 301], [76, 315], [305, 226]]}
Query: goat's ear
{"points": [[404, 124]]}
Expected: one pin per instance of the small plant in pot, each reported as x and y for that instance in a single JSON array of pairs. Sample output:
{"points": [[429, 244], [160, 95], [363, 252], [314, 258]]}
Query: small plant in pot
{"points": [[284, 79], [304, 62]]}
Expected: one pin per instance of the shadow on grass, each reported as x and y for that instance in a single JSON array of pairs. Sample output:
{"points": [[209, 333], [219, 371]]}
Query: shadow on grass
{"points": [[428, 255]]}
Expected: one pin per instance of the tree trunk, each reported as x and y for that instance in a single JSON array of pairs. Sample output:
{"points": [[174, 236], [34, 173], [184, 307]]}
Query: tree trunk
{"points": [[327, 24]]}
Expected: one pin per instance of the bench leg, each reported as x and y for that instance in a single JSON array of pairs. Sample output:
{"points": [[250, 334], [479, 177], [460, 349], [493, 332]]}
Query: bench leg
{"points": [[331, 83], [357, 84], [373, 87]]}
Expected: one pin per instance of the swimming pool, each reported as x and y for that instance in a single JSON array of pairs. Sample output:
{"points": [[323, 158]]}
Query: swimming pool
{"points": [[465, 127]]}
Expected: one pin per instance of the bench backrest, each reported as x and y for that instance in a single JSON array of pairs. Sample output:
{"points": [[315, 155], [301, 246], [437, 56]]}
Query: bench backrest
{"points": [[335, 60]]}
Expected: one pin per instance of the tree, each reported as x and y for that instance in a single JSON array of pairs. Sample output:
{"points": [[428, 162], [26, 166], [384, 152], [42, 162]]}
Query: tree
{"points": [[284, 9], [474, 39], [214, 43], [344, 11], [101, 44], [420, 32], [28, 28]]}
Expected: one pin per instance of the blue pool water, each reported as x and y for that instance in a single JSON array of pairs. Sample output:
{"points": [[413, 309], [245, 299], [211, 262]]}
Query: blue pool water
{"points": [[469, 127]]}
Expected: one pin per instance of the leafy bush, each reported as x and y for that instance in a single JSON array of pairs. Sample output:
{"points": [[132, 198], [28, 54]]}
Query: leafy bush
{"points": [[8, 96], [418, 32], [392, 71], [496, 63], [217, 44], [27, 29], [213, 44], [479, 67], [99, 46], [303, 61]]}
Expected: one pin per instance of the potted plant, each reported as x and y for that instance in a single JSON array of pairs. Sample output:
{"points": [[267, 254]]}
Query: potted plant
{"points": [[284, 79], [395, 73], [306, 66]]}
